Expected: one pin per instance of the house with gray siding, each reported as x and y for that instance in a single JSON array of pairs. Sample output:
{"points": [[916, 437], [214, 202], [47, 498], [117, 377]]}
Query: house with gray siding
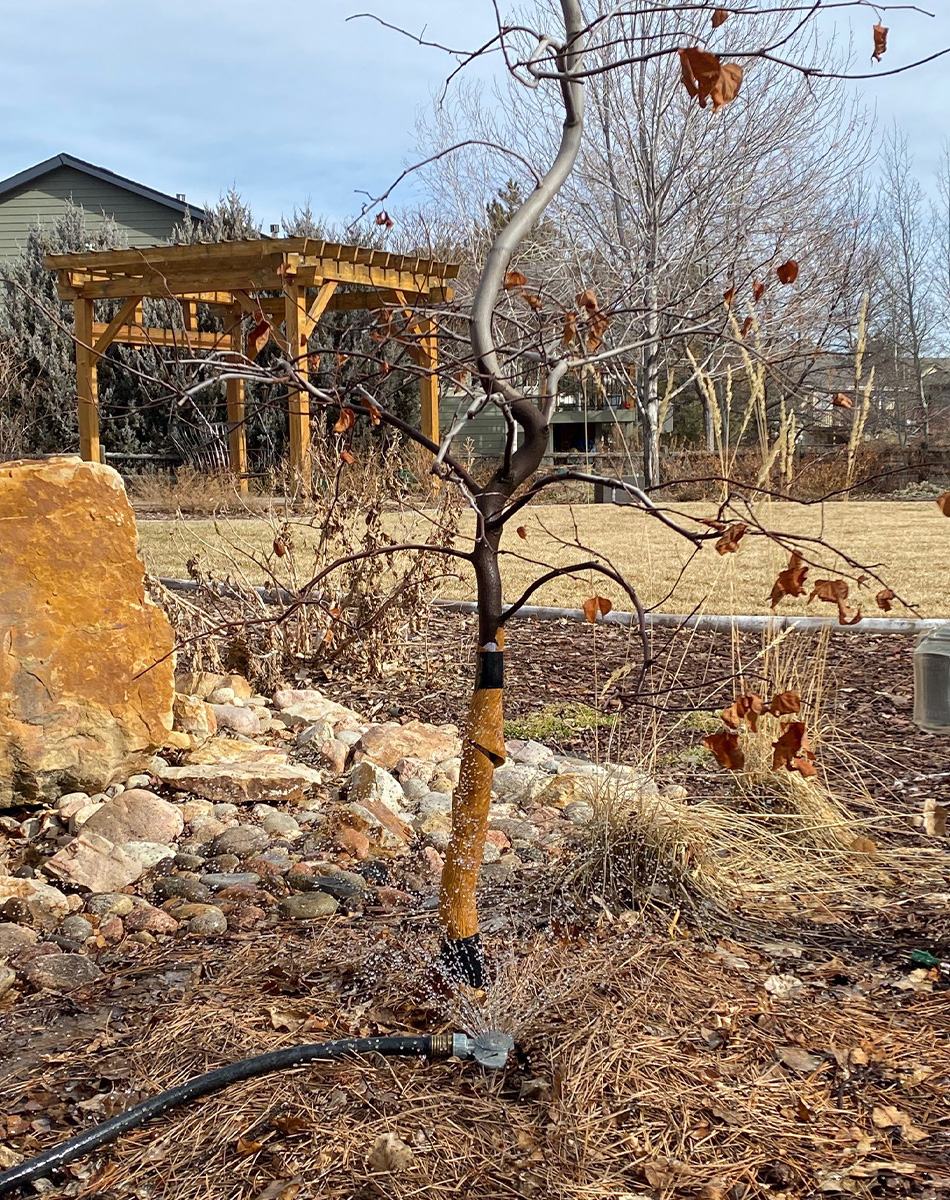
{"points": [[41, 193]]}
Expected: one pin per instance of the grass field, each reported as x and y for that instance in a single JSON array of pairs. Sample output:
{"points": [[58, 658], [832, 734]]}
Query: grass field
{"points": [[908, 543]]}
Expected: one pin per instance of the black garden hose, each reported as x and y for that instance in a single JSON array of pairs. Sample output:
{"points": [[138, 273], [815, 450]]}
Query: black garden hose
{"points": [[436, 1046]]}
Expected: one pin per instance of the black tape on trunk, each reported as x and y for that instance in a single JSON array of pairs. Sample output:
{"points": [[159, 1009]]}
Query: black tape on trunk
{"points": [[491, 669]]}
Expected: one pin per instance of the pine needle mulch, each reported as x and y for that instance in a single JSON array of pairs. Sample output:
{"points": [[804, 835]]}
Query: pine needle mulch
{"points": [[651, 1062]]}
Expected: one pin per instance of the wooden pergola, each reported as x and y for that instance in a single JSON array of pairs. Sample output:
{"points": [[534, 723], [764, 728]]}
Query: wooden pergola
{"points": [[289, 283]]}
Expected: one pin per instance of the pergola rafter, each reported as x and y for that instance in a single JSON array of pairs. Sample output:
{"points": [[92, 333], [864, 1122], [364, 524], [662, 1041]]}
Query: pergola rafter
{"points": [[289, 282]]}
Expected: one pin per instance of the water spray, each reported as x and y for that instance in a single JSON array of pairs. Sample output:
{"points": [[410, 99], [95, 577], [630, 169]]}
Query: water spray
{"points": [[490, 1049]]}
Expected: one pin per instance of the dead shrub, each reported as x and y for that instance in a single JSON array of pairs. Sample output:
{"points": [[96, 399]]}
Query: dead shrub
{"points": [[335, 598]]}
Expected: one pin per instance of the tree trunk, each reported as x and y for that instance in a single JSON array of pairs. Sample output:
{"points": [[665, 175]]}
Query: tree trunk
{"points": [[650, 414], [483, 749]]}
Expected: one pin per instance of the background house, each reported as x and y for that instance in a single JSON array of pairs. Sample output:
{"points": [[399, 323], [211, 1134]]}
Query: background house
{"points": [[41, 193]]}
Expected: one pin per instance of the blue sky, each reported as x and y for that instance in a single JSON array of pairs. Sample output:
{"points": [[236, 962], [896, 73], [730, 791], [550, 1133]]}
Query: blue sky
{"points": [[287, 100]]}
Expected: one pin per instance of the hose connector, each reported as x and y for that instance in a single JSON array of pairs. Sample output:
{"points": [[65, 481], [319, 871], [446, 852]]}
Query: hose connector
{"points": [[489, 1049]]}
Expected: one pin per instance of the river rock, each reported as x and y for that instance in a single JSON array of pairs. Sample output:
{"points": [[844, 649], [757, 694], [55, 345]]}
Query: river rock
{"points": [[240, 840], [518, 783], [46, 905], [181, 887], [310, 706], [219, 880], [137, 816], [388, 743], [14, 938], [147, 919], [238, 720], [149, 854], [529, 753], [86, 672], [61, 972], [110, 904], [211, 923], [307, 906], [93, 862]]}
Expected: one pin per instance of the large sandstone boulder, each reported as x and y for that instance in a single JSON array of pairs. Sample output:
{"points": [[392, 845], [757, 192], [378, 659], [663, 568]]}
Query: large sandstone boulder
{"points": [[79, 707]]}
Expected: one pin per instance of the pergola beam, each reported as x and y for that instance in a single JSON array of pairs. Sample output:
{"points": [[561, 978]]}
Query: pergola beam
{"points": [[144, 335], [290, 281]]}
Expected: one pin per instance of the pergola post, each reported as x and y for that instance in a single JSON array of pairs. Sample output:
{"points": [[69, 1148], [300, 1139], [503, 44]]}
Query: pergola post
{"points": [[237, 438], [298, 402], [87, 388], [429, 382]]}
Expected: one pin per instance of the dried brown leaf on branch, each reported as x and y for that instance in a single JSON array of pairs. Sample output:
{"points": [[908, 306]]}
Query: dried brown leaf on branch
{"points": [[883, 599], [785, 703], [758, 291], [832, 591], [943, 503], [280, 548], [375, 414], [792, 751], [835, 591], [345, 421], [597, 322], [257, 338], [347, 456], [534, 302], [514, 279], [384, 220], [787, 272], [841, 400], [791, 581], [595, 605], [749, 708], [725, 748], [880, 42], [570, 327], [706, 78], [719, 17], [729, 295], [522, 532], [730, 716], [729, 542], [746, 326]]}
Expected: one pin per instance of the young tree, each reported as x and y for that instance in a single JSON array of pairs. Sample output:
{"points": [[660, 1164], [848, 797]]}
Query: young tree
{"points": [[519, 346]]}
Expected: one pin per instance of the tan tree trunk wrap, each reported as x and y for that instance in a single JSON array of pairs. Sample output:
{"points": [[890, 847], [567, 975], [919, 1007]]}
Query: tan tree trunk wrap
{"points": [[483, 749]]}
